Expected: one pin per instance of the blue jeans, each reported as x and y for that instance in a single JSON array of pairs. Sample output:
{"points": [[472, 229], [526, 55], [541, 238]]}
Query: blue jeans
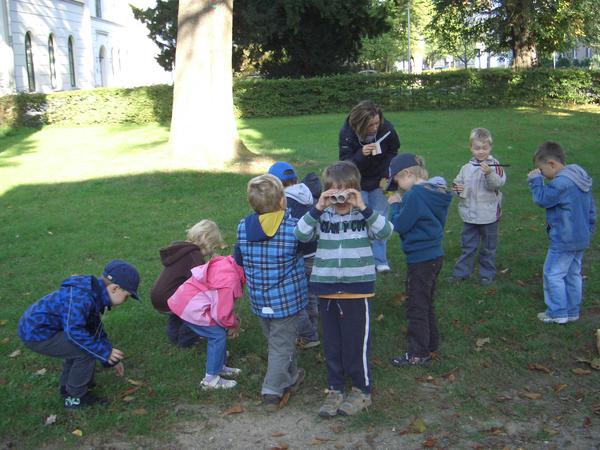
{"points": [[377, 200], [563, 284], [216, 350]]}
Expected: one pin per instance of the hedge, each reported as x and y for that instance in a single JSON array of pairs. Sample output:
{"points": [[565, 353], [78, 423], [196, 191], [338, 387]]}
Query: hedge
{"points": [[265, 98]]}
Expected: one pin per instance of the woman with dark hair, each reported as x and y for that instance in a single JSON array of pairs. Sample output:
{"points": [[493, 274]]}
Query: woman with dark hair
{"points": [[370, 142]]}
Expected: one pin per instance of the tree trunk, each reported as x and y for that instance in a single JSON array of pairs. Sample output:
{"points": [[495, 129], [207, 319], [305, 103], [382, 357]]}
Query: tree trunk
{"points": [[522, 37], [203, 128]]}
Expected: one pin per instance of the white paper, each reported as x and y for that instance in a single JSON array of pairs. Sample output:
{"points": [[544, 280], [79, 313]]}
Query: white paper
{"points": [[377, 150]]}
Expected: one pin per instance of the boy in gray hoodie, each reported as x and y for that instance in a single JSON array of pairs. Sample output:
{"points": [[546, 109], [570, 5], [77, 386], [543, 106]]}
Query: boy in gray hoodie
{"points": [[571, 218]]}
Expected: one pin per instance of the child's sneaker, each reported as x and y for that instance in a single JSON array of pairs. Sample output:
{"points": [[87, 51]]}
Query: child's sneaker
{"points": [[485, 281], [230, 372], [547, 319], [270, 402], [573, 318], [332, 402], [303, 343], [354, 403], [216, 382], [406, 361], [88, 399]]}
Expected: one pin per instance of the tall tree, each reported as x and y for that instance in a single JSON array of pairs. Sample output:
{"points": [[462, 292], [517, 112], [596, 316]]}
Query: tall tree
{"points": [[203, 128]]}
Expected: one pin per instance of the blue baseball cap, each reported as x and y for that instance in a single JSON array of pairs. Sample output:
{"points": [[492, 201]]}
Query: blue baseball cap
{"points": [[124, 274], [283, 170], [398, 163]]}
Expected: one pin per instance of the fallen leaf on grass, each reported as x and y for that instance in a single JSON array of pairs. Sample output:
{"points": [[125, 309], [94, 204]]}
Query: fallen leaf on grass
{"points": [[504, 270], [15, 354], [5, 340], [135, 382], [140, 412], [538, 367], [594, 363], [427, 379], [503, 398], [429, 443], [379, 318], [41, 372], [598, 340], [338, 428], [520, 283], [237, 409], [450, 375], [285, 399], [417, 426], [278, 434], [130, 390], [50, 419], [77, 432], [377, 362], [3, 322], [399, 299], [587, 422], [559, 387], [596, 409], [497, 431], [490, 292], [480, 342], [128, 398], [550, 431], [280, 446], [581, 372], [531, 395]]}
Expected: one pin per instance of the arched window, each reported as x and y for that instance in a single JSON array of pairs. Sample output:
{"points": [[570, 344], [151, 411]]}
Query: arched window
{"points": [[71, 62], [51, 62], [102, 65], [99, 9], [29, 62]]}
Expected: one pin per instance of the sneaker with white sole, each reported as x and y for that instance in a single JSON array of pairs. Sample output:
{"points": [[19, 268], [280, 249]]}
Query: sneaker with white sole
{"points": [[230, 372], [354, 403], [547, 319], [216, 382], [303, 343], [572, 318], [332, 402], [382, 268]]}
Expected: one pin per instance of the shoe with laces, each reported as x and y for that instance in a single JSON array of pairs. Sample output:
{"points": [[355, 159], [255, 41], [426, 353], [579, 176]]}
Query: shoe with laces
{"points": [[407, 361], [230, 372], [216, 382], [270, 402], [354, 403], [86, 400], [304, 343], [547, 319], [332, 402]]}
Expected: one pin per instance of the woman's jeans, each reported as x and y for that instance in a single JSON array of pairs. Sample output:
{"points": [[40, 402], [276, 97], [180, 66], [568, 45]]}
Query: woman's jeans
{"points": [[563, 285], [377, 200], [216, 350]]}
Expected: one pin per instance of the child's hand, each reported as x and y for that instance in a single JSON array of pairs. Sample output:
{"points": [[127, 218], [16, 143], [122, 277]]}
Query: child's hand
{"points": [[396, 197], [486, 169], [234, 332], [119, 369], [367, 149], [115, 356], [458, 187], [534, 173], [355, 199], [324, 199]]}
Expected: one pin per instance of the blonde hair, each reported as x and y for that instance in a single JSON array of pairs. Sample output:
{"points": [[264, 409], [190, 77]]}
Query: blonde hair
{"points": [[419, 171], [361, 115], [343, 173], [207, 236], [480, 134], [265, 193]]}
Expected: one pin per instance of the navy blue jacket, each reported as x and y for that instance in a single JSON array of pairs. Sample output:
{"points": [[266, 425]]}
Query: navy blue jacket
{"points": [[372, 168], [76, 309], [419, 219]]}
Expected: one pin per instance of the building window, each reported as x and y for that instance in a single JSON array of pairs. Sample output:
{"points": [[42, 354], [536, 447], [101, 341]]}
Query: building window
{"points": [[71, 62], [29, 62], [99, 9], [51, 62]]}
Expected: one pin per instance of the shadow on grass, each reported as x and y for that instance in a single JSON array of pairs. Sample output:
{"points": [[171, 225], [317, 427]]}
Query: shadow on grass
{"points": [[14, 143]]}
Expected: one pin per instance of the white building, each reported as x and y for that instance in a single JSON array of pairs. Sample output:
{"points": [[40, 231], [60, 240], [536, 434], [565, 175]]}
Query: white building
{"points": [[59, 45]]}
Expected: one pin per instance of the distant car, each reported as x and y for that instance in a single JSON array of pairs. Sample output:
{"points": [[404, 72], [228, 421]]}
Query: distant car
{"points": [[367, 71]]}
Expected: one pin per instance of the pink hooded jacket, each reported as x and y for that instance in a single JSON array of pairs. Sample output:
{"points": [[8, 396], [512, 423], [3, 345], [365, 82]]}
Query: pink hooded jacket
{"points": [[207, 298]]}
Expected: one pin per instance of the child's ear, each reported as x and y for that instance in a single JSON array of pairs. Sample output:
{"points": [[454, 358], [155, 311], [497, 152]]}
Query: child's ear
{"points": [[283, 203]]}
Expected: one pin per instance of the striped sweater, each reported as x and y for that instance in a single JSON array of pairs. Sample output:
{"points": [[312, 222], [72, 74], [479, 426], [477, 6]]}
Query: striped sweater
{"points": [[344, 259]]}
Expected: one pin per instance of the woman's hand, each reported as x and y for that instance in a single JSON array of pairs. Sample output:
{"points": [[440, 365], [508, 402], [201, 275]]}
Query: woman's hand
{"points": [[396, 197], [368, 149]]}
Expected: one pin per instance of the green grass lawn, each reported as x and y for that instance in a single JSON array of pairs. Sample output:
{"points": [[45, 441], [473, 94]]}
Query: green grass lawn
{"points": [[73, 198]]}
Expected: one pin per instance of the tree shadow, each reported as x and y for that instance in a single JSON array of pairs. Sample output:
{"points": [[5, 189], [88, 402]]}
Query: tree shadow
{"points": [[14, 143]]}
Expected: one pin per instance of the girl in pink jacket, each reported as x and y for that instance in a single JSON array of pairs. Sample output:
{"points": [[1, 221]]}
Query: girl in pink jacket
{"points": [[206, 302]]}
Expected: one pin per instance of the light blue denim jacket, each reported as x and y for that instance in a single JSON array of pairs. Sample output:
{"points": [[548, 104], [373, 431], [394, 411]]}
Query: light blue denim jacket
{"points": [[570, 208]]}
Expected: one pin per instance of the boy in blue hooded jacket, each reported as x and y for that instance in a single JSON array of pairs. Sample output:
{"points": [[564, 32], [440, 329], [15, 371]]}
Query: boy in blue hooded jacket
{"points": [[67, 324], [571, 218]]}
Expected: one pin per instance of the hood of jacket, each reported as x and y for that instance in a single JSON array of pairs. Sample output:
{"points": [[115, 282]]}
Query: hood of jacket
{"points": [[254, 228], [312, 181], [221, 272], [177, 250], [437, 199], [299, 192], [577, 175], [91, 284]]}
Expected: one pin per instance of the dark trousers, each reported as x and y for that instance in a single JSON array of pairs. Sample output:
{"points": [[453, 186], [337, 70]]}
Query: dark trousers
{"points": [[78, 365], [473, 237], [179, 333], [346, 342], [423, 335]]}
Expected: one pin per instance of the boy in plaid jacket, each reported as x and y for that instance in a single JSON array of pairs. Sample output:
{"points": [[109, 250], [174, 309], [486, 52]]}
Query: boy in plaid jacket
{"points": [[268, 251]]}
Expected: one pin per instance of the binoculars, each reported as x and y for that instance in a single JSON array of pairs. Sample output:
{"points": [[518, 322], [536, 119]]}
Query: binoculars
{"points": [[340, 197]]}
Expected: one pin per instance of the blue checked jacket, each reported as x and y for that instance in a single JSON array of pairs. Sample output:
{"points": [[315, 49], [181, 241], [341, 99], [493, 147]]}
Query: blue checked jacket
{"points": [[274, 268], [76, 309]]}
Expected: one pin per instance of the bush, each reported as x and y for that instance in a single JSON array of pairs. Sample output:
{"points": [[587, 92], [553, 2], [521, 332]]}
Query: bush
{"points": [[335, 94]]}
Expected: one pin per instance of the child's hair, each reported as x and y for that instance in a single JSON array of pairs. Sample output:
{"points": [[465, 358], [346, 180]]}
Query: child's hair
{"points": [[291, 182], [419, 171], [480, 134], [342, 173], [265, 193], [549, 150], [361, 115], [207, 236]]}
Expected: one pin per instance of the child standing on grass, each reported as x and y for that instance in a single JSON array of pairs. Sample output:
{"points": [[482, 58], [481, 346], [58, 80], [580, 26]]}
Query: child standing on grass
{"points": [[571, 219], [67, 324], [478, 185], [178, 259], [205, 304], [419, 216], [343, 277], [299, 200], [268, 251]]}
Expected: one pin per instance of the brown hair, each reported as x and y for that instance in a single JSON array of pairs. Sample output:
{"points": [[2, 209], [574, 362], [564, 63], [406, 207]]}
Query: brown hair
{"points": [[480, 134], [342, 173], [361, 115], [550, 150], [265, 193]]}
